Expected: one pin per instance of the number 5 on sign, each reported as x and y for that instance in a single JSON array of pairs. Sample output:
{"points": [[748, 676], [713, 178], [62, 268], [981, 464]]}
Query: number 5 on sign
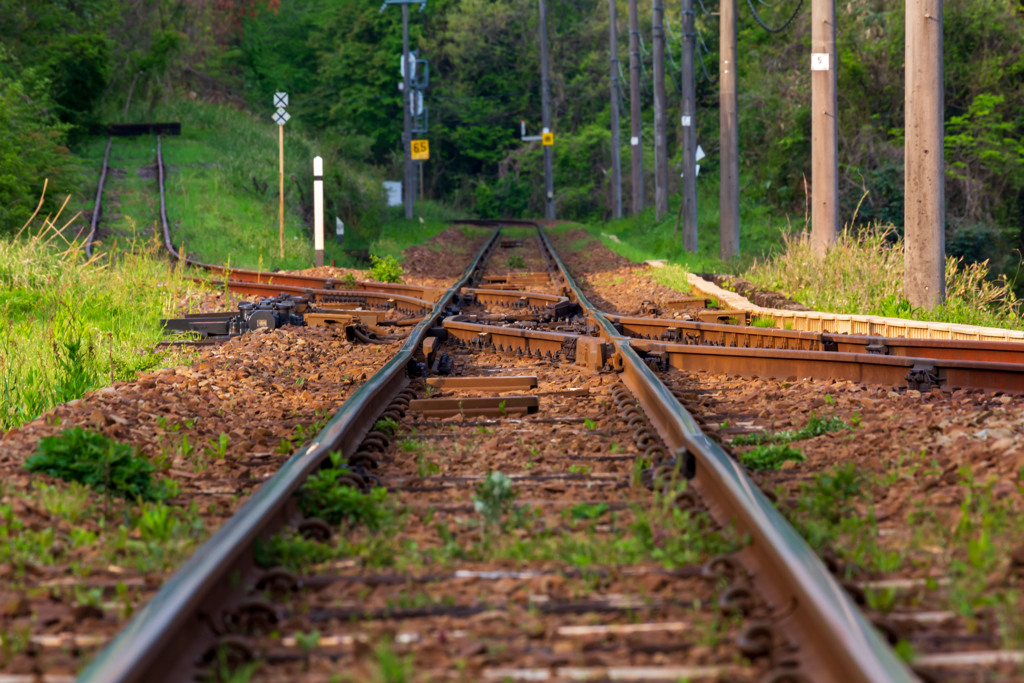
{"points": [[420, 150]]}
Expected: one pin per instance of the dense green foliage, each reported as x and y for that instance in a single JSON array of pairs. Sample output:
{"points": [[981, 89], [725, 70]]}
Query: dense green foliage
{"points": [[339, 61], [97, 461]]}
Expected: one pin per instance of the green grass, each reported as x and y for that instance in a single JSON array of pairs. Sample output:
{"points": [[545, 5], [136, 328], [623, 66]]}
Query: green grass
{"points": [[643, 237], [72, 326], [863, 274], [222, 192]]}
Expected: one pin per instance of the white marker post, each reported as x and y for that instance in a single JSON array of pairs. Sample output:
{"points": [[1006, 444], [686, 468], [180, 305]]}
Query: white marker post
{"points": [[318, 210]]}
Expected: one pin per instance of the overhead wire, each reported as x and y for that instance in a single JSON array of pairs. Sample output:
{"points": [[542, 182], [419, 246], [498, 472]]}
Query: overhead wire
{"points": [[766, 27]]}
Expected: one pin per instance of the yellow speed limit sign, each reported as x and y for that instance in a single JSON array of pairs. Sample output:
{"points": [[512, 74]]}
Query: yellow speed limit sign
{"points": [[420, 150], [547, 139]]}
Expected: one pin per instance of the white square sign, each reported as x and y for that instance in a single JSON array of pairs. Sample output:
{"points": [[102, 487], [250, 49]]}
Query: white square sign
{"points": [[280, 99], [819, 61]]}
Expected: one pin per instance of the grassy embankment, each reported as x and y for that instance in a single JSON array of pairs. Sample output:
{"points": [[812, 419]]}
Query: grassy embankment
{"points": [[222, 193], [863, 274], [72, 325]]}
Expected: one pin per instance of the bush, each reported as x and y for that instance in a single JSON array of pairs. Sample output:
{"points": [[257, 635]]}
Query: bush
{"points": [[97, 461], [385, 269]]}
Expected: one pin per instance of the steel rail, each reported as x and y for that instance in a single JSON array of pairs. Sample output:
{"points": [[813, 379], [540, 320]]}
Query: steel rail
{"points": [[431, 294], [835, 641], [159, 643], [99, 201], [714, 334], [367, 296], [869, 368]]}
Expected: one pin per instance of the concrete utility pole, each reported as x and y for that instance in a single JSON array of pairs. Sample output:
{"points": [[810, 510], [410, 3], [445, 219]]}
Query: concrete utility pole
{"points": [[660, 143], [688, 120], [409, 185], [824, 126], [729, 193], [613, 70], [636, 123], [924, 210], [545, 95]]}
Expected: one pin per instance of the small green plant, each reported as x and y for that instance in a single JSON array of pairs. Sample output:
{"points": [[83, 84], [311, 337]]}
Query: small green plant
{"points": [[585, 511], [391, 668], [385, 269], [349, 281], [770, 456], [515, 261], [290, 550], [97, 461], [324, 496], [816, 426], [425, 467], [581, 469], [588, 423], [494, 497], [386, 425], [762, 321]]}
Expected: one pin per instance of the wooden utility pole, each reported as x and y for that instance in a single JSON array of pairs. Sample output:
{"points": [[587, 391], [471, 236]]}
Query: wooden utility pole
{"points": [[545, 95], [636, 123], [688, 120], [613, 70], [409, 175], [660, 142], [824, 126], [729, 192], [924, 215]]}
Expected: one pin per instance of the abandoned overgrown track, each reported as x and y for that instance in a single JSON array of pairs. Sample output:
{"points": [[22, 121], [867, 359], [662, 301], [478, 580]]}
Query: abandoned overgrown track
{"points": [[556, 560]]}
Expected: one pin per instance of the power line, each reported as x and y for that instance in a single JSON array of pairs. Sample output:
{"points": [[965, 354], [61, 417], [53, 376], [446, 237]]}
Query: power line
{"points": [[766, 27]]}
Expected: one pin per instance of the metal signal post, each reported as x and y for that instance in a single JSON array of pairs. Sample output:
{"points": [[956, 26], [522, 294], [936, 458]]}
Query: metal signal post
{"points": [[545, 95], [408, 103]]}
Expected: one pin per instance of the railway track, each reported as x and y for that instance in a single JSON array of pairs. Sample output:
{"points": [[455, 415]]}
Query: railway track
{"points": [[448, 588], [505, 601]]}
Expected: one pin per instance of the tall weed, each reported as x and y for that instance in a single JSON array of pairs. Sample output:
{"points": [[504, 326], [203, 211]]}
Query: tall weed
{"points": [[863, 273], [73, 325]]}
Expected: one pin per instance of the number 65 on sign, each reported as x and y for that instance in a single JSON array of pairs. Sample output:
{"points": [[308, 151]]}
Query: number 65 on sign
{"points": [[420, 150]]}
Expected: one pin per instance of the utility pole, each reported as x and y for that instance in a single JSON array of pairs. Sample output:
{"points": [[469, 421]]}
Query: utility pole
{"points": [[824, 125], [545, 96], [636, 123], [408, 187], [613, 69], [688, 120], [729, 193], [924, 210], [660, 143]]}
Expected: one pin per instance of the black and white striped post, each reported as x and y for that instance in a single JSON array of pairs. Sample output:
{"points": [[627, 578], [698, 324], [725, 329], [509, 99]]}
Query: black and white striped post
{"points": [[318, 210]]}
